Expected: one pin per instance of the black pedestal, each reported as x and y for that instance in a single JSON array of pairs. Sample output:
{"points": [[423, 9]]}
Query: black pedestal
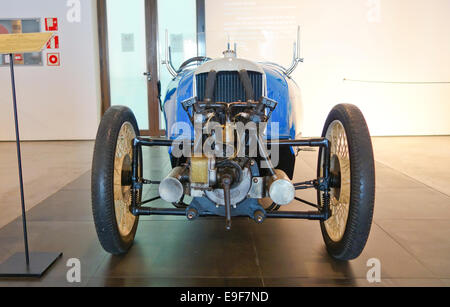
{"points": [[15, 266], [25, 264]]}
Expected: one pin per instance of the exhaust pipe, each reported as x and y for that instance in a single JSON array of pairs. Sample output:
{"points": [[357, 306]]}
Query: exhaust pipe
{"points": [[281, 190], [171, 189]]}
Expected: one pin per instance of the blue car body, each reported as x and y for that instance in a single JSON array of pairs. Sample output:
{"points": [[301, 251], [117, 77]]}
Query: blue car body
{"points": [[279, 88]]}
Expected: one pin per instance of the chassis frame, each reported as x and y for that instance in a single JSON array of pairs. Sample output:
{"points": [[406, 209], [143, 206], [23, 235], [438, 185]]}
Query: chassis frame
{"points": [[321, 184]]}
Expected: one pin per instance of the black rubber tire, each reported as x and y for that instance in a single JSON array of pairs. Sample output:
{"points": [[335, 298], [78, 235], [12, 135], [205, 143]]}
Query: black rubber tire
{"points": [[102, 180], [362, 188]]}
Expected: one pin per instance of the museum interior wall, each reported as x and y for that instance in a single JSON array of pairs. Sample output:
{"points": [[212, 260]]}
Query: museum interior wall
{"points": [[391, 58], [391, 49], [55, 102]]}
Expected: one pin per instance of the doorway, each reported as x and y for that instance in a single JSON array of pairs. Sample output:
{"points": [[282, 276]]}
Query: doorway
{"points": [[131, 42]]}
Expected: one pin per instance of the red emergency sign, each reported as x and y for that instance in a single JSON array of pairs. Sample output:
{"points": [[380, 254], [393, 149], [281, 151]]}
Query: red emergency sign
{"points": [[53, 59], [51, 24], [53, 43]]}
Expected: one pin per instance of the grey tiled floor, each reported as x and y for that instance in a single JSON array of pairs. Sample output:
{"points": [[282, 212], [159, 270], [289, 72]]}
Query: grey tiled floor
{"points": [[47, 167], [410, 235]]}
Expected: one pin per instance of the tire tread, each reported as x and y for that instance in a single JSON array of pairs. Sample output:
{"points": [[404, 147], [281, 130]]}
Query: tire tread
{"points": [[362, 196]]}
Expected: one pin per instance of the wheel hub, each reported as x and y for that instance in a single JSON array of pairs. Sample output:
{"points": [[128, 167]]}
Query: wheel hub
{"points": [[122, 179], [340, 181], [335, 175]]}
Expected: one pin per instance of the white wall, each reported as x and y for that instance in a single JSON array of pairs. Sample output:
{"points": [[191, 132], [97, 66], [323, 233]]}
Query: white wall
{"points": [[370, 40], [55, 102], [408, 41]]}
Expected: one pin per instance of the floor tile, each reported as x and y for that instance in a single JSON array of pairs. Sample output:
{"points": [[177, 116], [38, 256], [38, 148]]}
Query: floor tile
{"points": [[410, 237], [427, 240], [73, 239], [82, 183], [47, 167], [175, 282], [415, 282], [408, 203], [321, 282], [446, 281], [66, 205], [200, 248], [387, 177], [289, 248], [424, 158]]}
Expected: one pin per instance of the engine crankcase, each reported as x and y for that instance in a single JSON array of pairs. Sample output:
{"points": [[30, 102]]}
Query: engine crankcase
{"points": [[238, 192]]}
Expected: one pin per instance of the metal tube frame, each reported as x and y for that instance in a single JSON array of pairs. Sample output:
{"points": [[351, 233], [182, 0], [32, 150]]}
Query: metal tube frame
{"points": [[322, 184]]}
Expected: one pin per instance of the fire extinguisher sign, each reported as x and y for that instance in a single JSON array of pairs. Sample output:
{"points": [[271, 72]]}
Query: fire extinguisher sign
{"points": [[51, 24]]}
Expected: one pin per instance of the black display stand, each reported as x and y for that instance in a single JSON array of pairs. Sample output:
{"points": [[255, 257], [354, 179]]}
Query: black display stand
{"points": [[26, 264]]}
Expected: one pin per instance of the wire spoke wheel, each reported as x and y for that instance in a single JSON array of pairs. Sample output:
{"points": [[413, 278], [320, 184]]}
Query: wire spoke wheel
{"points": [[352, 182], [111, 180]]}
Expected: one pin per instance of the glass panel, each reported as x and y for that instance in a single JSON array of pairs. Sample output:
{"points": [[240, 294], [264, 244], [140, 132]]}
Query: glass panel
{"points": [[263, 30], [179, 18], [256, 45], [127, 57]]}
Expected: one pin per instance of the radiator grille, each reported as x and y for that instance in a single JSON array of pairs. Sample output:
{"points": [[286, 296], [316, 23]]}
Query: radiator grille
{"points": [[228, 87]]}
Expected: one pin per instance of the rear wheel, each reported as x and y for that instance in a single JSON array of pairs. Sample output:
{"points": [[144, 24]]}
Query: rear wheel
{"points": [[353, 182], [111, 180]]}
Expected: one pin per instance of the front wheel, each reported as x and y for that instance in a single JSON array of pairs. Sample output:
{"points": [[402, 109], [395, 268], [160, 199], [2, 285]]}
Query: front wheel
{"points": [[111, 180], [352, 191]]}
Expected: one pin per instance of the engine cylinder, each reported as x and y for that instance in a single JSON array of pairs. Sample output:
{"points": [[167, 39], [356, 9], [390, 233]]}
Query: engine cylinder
{"points": [[171, 189], [281, 190]]}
